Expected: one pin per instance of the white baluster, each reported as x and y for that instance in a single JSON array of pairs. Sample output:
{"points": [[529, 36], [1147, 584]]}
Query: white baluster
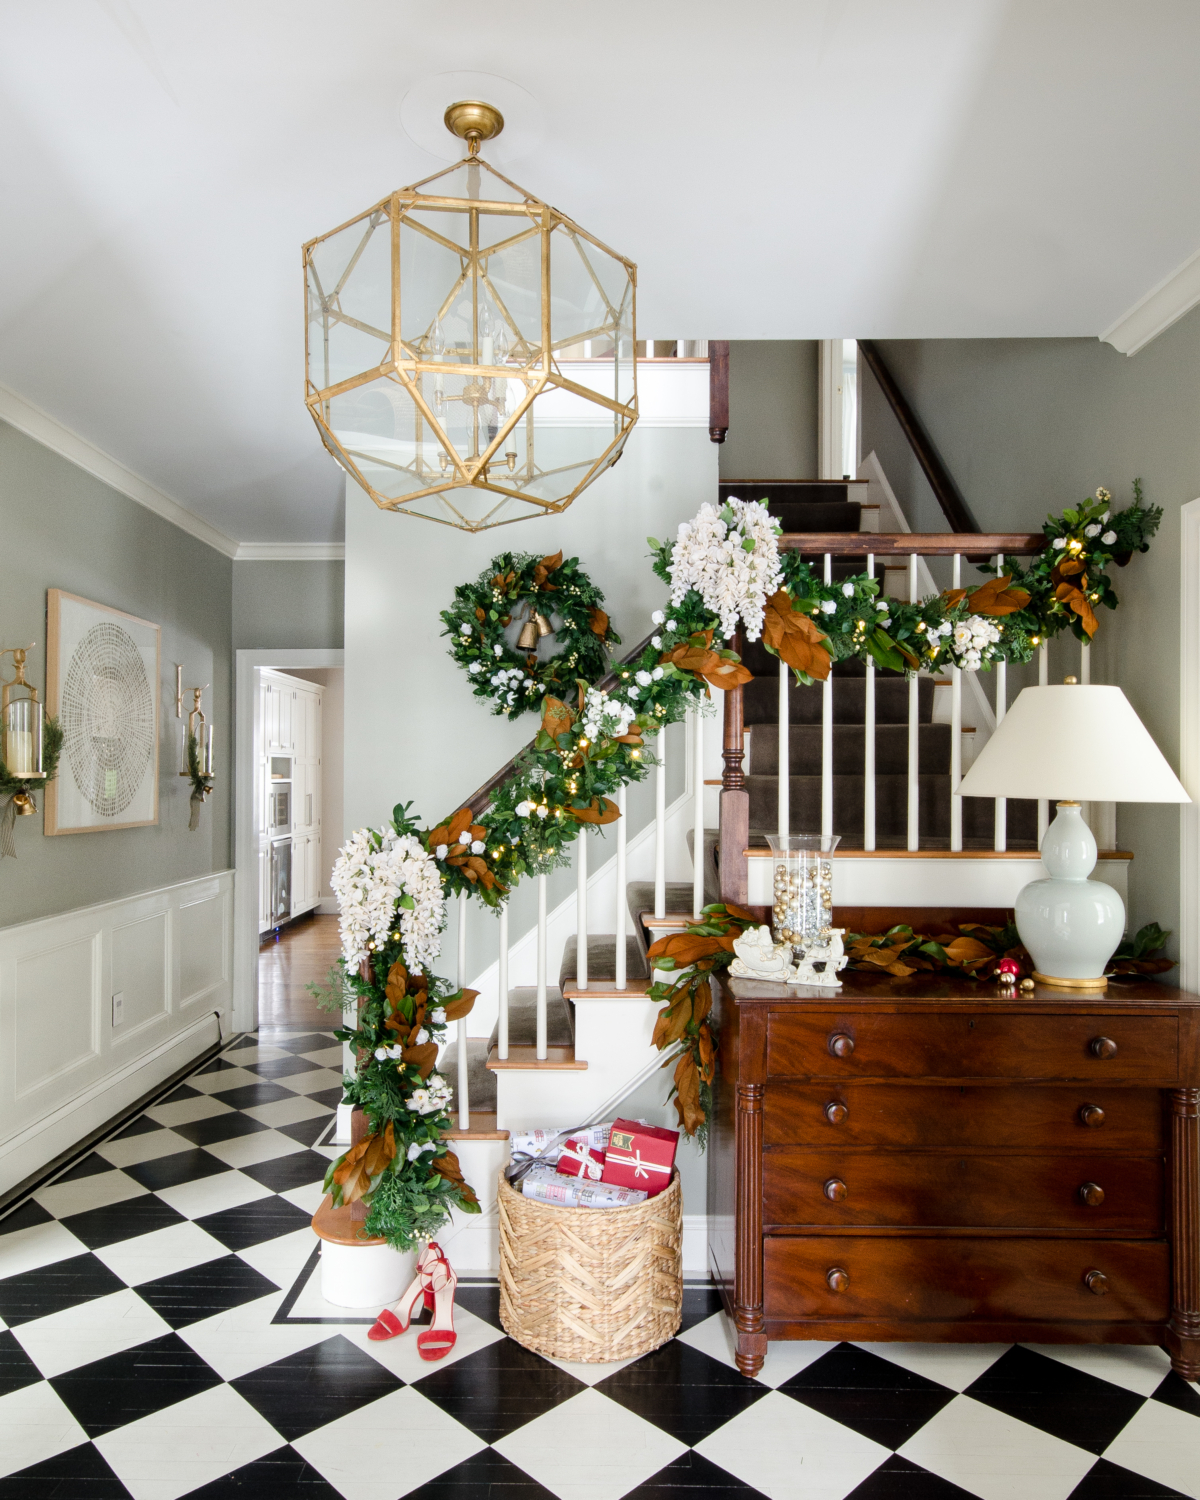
{"points": [[956, 734], [869, 741], [1085, 663], [502, 986], [784, 765], [914, 731], [581, 921], [827, 733], [621, 915], [464, 1102], [697, 811], [1001, 839], [1043, 681], [660, 825], [541, 969]]}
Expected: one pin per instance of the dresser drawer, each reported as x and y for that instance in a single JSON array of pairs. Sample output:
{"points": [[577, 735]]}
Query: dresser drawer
{"points": [[964, 1279], [925, 1189], [1077, 1118], [948, 1044]]}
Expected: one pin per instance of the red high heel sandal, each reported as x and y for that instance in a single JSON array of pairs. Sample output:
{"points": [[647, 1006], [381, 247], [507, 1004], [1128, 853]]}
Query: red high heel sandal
{"points": [[396, 1319], [436, 1341]]}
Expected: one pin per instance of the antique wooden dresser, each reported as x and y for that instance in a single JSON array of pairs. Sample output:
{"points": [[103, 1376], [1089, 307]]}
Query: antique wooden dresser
{"points": [[935, 1160]]}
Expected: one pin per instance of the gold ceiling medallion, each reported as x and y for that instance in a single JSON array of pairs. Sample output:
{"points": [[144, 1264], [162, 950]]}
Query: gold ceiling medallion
{"points": [[470, 350]]}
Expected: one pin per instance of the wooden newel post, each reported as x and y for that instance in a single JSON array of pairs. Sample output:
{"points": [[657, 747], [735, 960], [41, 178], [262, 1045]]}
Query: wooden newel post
{"points": [[735, 800], [1185, 1232], [718, 389]]}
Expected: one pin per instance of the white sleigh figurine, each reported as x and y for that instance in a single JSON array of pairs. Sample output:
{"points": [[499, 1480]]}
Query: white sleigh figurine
{"points": [[821, 962], [760, 957]]}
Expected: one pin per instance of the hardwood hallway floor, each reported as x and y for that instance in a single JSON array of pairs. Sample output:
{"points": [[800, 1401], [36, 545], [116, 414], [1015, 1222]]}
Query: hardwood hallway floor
{"points": [[301, 955]]}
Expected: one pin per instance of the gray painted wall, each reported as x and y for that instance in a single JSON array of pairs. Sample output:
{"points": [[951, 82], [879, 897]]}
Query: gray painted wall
{"points": [[65, 529], [288, 604], [772, 410], [1028, 426]]}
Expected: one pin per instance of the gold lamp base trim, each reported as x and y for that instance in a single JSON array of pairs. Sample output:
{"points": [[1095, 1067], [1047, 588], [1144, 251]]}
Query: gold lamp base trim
{"points": [[472, 119], [1071, 984]]}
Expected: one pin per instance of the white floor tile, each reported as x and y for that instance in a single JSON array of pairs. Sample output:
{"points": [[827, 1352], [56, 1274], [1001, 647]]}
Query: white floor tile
{"points": [[307, 1197], [160, 1253], [589, 1448], [184, 1111], [281, 1260], [717, 1337], [590, 1374], [399, 1355], [1161, 1443], [189, 1444], [1137, 1367], [249, 1150], [326, 1057], [312, 1083], [245, 1339], [248, 1054], [286, 1111], [93, 1330], [28, 1249], [953, 1365], [146, 1147], [96, 1191], [311, 1304], [222, 1079], [35, 1425], [211, 1195], [995, 1456], [358, 1453], [790, 1452]]}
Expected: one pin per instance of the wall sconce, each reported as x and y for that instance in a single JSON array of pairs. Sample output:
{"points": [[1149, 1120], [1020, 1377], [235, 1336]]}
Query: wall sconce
{"points": [[21, 719], [196, 747]]}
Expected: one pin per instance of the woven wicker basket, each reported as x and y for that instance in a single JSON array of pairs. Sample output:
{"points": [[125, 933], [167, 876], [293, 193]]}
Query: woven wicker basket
{"points": [[591, 1284]]}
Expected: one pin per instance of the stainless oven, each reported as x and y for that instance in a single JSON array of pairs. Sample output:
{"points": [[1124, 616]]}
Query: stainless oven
{"points": [[281, 880]]}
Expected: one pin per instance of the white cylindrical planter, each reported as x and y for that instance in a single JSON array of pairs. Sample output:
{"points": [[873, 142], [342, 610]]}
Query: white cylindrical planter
{"points": [[364, 1275]]}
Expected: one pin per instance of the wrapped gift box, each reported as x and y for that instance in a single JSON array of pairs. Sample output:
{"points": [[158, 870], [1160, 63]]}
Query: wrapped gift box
{"points": [[545, 1185], [640, 1156], [580, 1159]]}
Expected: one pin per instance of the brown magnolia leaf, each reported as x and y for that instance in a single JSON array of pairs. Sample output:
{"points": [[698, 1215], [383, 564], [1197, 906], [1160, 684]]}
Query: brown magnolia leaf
{"points": [[707, 1055], [687, 1094], [951, 597], [364, 1162], [423, 1058], [479, 614], [689, 948], [901, 971], [634, 737], [701, 1002], [696, 655], [795, 637], [1077, 601], [965, 949], [397, 983], [598, 621], [600, 810], [557, 718], [677, 1018], [1067, 567], [447, 1166], [724, 674], [996, 598], [459, 1005], [543, 570]]}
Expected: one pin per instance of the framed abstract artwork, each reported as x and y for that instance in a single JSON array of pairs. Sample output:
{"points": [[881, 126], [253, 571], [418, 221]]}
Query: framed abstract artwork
{"points": [[102, 683]]}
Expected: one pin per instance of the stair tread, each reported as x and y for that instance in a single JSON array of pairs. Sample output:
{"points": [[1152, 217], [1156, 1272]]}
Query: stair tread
{"points": [[483, 1128], [678, 893], [602, 953], [522, 1018], [481, 1085], [557, 1059]]}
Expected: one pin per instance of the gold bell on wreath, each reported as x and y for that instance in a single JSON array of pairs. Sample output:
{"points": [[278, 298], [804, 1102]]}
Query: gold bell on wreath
{"points": [[528, 638], [544, 626]]}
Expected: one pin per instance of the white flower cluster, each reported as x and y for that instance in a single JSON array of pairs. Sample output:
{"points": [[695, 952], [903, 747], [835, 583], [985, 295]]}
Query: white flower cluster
{"points": [[603, 717], [434, 1097], [372, 872], [733, 566], [972, 640], [512, 680]]}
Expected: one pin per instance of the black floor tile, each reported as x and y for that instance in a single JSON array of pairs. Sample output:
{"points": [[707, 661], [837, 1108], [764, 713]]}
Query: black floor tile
{"points": [[78, 1474], [1108, 1481], [309, 1041], [284, 1067], [217, 1065], [49, 1289], [900, 1479], [691, 1477], [487, 1475], [27, 1216], [1067, 1403], [180, 1166], [143, 1125], [252, 1223], [307, 1132], [699, 1303], [498, 1389], [282, 1475], [201, 1291], [316, 1386], [119, 1389], [877, 1398], [181, 1093], [247, 1095], [330, 1098], [122, 1221], [683, 1391], [483, 1301], [16, 1367], [287, 1172], [219, 1128], [90, 1166], [1176, 1392]]}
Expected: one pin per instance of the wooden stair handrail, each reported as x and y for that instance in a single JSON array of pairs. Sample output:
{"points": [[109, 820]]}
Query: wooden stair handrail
{"points": [[979, 544]]}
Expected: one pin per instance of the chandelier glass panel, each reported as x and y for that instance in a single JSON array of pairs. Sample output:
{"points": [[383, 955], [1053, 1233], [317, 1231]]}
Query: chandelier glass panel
{"points": [[470, 350]]}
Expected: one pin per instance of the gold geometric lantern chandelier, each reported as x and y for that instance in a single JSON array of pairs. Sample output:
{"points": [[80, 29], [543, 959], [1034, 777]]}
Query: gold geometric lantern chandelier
{"points": [[470, 350]]}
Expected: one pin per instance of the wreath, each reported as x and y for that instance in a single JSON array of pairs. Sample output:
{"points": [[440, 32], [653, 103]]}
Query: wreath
{"points": [[548, 597]]}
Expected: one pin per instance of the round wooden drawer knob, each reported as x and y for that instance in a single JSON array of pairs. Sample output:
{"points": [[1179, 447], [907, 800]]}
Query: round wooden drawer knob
{"points": [[835, 1113], [1092, 1194], [835, 1190], [838, 1279], [1092, 1115], [1096, 1283], [1103, 1047], [841, 1045]]}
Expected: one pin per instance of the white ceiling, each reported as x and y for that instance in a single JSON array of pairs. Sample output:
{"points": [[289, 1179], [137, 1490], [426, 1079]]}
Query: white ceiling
{"points": [[778, 169]]}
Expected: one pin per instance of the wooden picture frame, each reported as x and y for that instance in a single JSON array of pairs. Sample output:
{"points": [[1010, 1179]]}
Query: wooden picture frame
{"points": [[103, 668]]}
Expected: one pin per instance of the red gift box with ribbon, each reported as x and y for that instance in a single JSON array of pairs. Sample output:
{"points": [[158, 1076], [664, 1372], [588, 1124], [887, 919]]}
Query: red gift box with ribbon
{"points": [[578, 1159], [640, 1156]]}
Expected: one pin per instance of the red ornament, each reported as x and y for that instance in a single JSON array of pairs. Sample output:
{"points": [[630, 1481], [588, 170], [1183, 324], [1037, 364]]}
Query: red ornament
{"points": [[1010, 966]]}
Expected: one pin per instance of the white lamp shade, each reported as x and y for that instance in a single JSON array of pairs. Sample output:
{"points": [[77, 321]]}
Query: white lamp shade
{"points": [[1070, 742]]}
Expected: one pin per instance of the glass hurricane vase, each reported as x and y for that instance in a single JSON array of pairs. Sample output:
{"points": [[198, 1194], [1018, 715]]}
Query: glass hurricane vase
{"points": [[801, 886]]}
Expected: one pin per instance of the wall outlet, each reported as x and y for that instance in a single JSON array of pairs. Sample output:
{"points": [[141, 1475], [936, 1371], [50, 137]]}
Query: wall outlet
{"points": [[118, 1007]]}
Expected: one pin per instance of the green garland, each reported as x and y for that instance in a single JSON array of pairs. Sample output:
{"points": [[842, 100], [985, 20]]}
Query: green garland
{"points": [[516, 585], [201, 784]]}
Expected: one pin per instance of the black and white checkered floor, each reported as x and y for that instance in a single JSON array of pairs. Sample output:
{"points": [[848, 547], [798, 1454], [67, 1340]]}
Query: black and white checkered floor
{"points": [[163, 1335]]}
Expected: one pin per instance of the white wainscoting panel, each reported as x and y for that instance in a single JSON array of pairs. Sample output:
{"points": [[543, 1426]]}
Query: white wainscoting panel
{"points": [[65, 1068]]}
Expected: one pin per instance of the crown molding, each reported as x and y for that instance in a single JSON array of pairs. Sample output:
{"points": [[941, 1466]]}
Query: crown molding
{"points": [[1162, 305], [290, 552], [47, 430]]}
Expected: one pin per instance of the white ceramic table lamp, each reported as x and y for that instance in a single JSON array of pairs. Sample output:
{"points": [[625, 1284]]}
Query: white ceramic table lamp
{"points": [[1077, 744]]}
